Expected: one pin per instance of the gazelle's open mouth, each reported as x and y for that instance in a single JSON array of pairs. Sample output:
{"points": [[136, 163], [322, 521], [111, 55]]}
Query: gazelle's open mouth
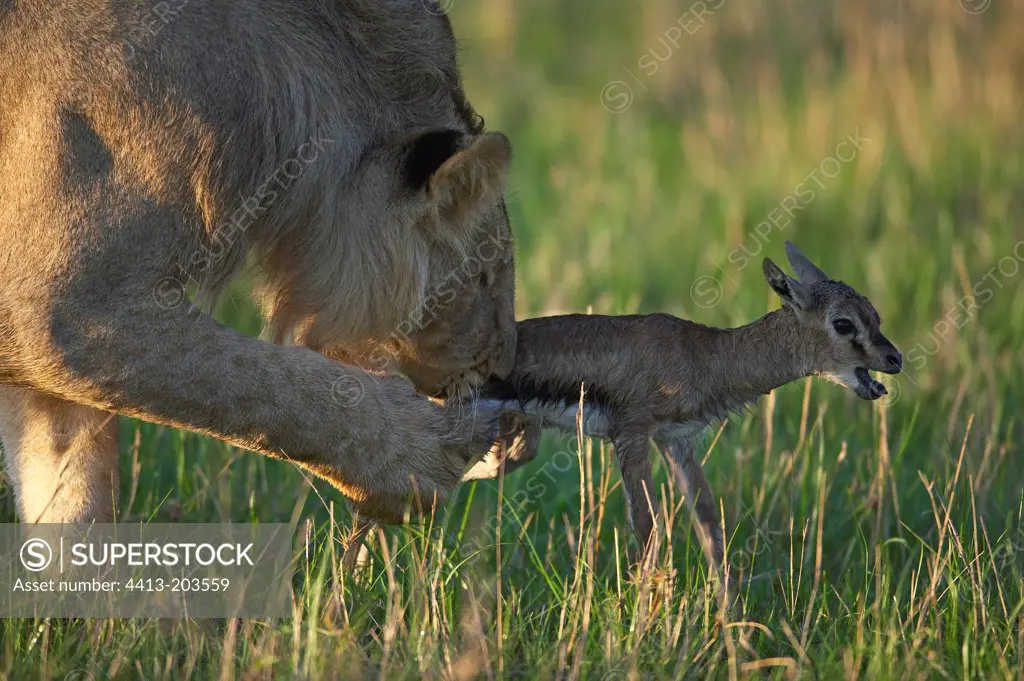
{"points": [[867, 387]]}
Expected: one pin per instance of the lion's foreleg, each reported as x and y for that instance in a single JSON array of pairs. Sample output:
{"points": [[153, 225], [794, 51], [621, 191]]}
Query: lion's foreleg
{"points": [[386, 447]]}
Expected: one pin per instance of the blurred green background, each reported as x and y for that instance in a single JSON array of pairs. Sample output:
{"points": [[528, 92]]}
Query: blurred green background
{"points": [[656, 146]]}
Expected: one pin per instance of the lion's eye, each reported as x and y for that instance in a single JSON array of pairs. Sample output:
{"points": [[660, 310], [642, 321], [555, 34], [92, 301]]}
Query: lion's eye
{"points": [[843, 327]]}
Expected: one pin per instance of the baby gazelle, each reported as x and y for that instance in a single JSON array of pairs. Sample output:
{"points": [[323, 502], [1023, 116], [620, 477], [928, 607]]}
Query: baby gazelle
{"points": [[659, 377]]}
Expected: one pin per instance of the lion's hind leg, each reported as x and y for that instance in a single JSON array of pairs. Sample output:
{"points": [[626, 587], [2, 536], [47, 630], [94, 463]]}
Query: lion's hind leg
{"points": [[62, 457]]}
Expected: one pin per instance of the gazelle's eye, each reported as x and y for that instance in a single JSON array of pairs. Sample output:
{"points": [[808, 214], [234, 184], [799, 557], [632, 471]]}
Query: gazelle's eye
{"points": [[844, 327]]}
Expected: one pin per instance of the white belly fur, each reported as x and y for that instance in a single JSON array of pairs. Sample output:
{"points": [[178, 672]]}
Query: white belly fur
{"points": [[554, 415], [595, 419]]}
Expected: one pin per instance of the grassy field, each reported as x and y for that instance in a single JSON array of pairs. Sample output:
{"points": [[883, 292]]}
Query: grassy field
{"points": [[872, 541]]}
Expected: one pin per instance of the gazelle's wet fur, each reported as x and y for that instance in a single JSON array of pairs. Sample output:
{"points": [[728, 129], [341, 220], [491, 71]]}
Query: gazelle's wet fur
{"points": [[659, 377]]}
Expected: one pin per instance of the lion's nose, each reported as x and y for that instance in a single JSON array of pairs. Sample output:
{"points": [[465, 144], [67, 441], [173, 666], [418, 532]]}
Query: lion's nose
{"points": [[506, 361], [504, 358]]}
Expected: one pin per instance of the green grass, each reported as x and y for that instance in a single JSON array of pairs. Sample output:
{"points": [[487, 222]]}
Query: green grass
{"points": [[887, 539]]}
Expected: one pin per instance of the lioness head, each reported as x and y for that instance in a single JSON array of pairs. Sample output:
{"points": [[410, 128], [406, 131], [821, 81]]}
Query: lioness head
{"points": [[441, 310], [464, 329]]}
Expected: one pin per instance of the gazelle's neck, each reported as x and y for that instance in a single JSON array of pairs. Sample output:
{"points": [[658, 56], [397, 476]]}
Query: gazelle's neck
{"points": [[750, 361]]}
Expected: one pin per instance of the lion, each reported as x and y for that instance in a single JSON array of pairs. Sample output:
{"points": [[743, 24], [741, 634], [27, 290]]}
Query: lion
{"points": [[150, 151]]}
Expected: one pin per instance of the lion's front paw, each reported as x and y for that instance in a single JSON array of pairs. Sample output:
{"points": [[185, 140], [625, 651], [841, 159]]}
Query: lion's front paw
{"points": [[469, 433], [422, 453], [516, 445]]}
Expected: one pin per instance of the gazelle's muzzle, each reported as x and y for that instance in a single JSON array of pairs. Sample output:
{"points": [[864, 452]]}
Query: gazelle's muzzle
{"points": [[886, 359]]}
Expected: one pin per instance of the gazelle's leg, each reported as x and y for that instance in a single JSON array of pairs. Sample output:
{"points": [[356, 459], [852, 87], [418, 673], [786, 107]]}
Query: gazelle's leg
{"points": [[633, 453], [62, 457], [679, 454]]}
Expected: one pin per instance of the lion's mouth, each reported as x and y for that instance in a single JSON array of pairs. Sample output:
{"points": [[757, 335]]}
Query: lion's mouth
{"points": [[868, 387], [465, 385]]}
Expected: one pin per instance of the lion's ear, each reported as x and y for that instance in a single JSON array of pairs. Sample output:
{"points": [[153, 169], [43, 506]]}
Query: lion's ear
{"points": [[427, 153], [460, 175]]}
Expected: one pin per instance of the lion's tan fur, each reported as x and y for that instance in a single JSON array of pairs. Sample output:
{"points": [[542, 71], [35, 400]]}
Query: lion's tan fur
{"points": [[143, 153]]}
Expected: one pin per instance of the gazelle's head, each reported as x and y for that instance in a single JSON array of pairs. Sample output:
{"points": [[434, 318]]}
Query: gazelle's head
{"points": [[842, 324]]}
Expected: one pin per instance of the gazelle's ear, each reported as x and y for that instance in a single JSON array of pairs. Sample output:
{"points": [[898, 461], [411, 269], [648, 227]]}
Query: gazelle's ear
{"points": [[806, 271], [792, 292], [460, 175]]}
